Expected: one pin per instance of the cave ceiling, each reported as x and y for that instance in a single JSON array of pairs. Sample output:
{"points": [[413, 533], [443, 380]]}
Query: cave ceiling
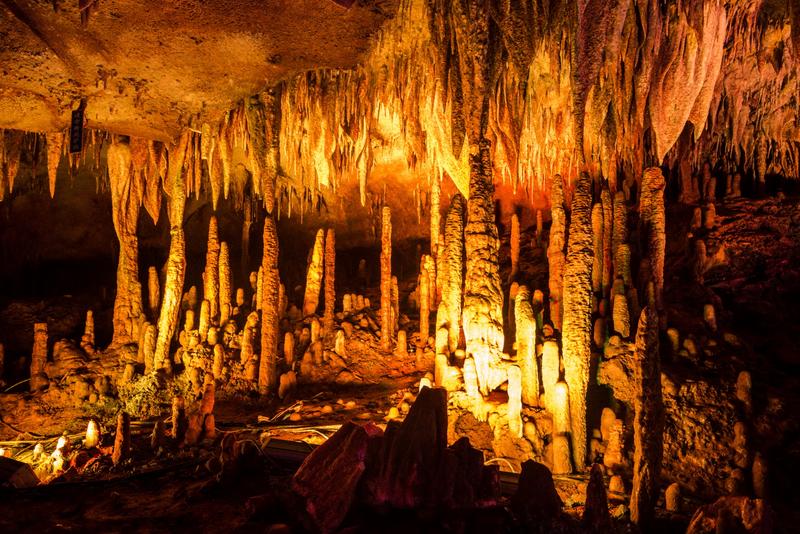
{"points": [[151, 68]]}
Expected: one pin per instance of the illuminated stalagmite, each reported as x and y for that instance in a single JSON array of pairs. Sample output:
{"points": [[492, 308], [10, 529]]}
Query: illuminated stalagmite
{"points": [[652, 220], [270, 310], [577, 327], [648, 420], [153, 292], [424, 303], [39, 356], [329, 280], [453, 279], [176, 260], [526, 346], [619, 231], [126, 198], [436, 216], [386, 278], [555, 250], [224, 283], [514, 243], [597, 247], [314, 274], [608, 230], [211, 274]]}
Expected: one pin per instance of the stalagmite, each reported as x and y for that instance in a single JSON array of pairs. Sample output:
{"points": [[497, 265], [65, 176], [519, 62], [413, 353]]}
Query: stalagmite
{"points": [[613, 455], [619, 231], [203, 321], [126, 198], [514, 243], [652, 220], [395, 304], [562, 462], [225, 284], [424, 302], [550, 372], [178, 418], [314, 275], [744, 390], [709, 217], [577, 326], [211, 274], [555, 250], [436, 215], [122, 439], [672, 497], [148, 350], [623, 264], [454, 276], [176, 260], [270, 308], [153, 292], [622, 320], [219, 361], [648, 422], [595, 513], [87, 341], [329, 280], [39, 356], [386, 278], [608, 230], [92, 436], [597, 248], [515, 401], [526, 346]]}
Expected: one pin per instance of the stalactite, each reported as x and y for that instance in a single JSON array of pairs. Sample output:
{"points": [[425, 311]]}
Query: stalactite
{"points": [[648, 420], [224, 283], [386, 278], [652, 219], [211, 273], [149, 341], [577, 328], [454, 277], [526, 346], [329, 279], [314, 274], [176, 260], [55, 145], [270, 310], [555, 250], [514, 243], [126, 198]]}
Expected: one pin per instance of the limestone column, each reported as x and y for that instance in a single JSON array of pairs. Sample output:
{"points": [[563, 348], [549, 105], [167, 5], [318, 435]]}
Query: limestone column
{"points": [[454, 278], [526, 346], [126, 198], [176, 261], [576, 334]]}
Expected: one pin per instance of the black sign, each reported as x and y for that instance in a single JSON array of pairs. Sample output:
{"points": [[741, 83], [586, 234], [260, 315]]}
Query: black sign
{"points": [[76, 130]]}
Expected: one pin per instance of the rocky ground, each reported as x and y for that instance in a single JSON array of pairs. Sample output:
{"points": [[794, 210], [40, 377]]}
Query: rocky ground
{"points": [[712, 437]]}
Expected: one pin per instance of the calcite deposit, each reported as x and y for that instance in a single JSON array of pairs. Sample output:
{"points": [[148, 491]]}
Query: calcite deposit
{"points": [[422, 265]]}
